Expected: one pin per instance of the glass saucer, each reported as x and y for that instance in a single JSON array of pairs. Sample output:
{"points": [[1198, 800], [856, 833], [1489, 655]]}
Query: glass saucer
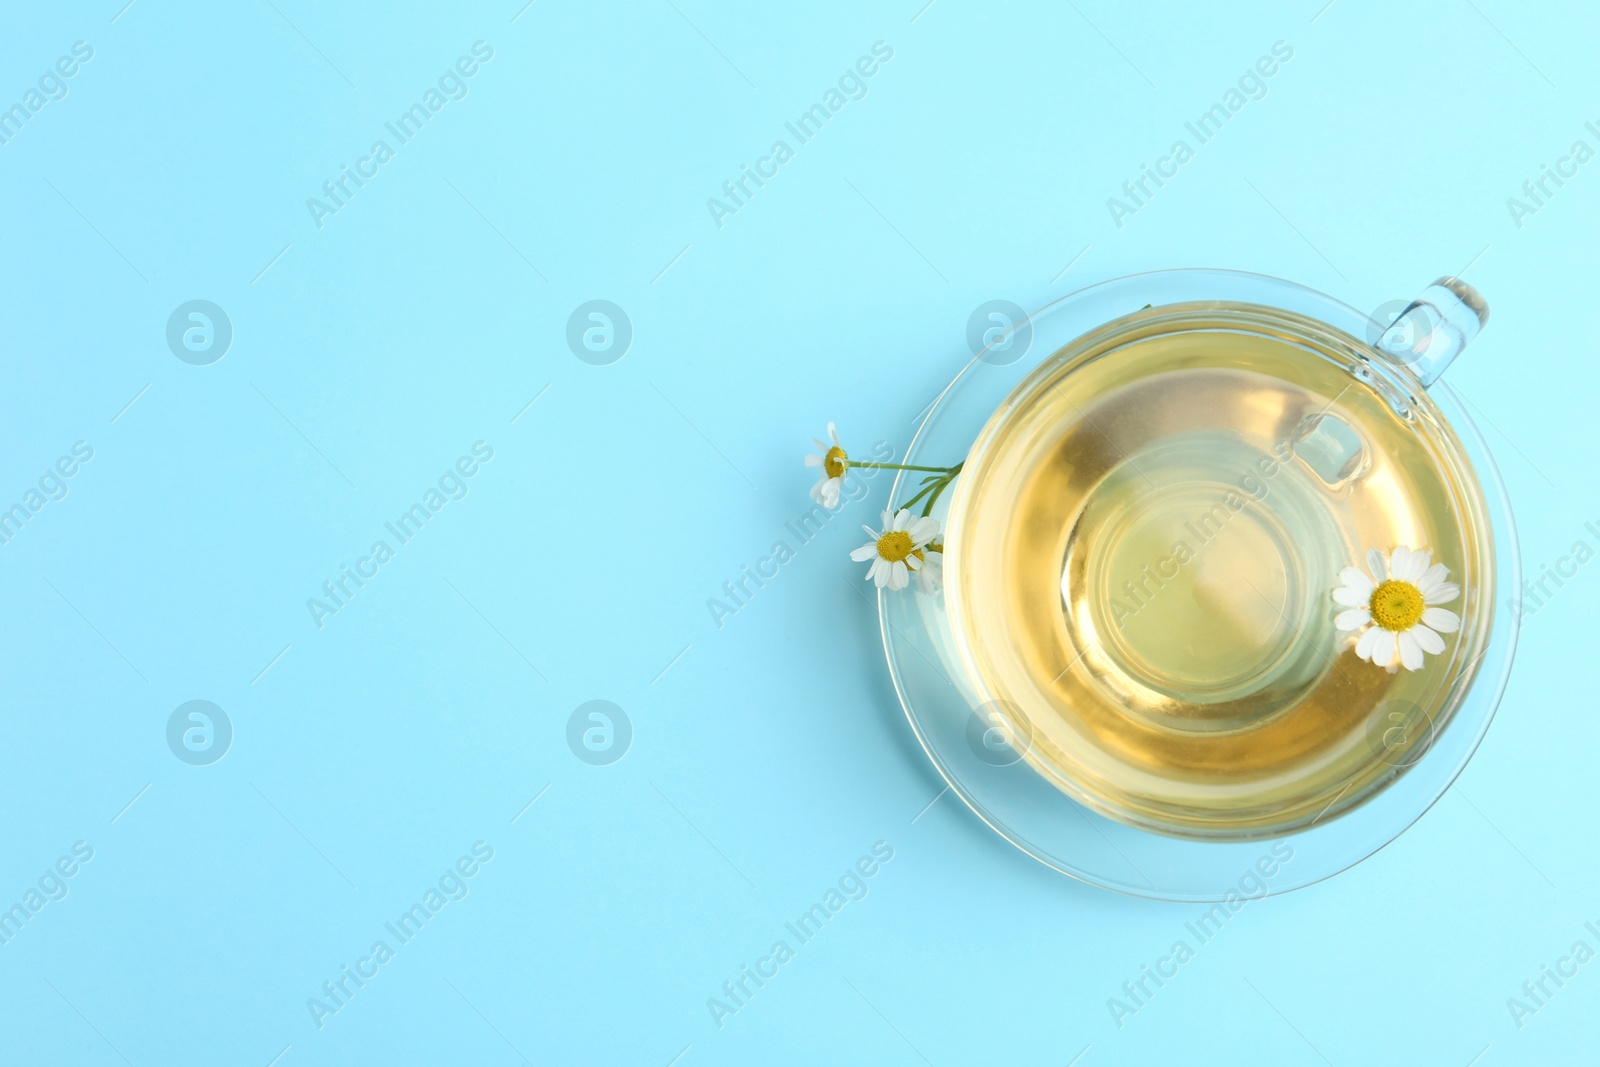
{"points": [[967, 744]]}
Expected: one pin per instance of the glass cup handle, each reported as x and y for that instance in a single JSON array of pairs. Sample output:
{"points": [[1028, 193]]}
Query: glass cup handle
{"points": [[1434, 328]]}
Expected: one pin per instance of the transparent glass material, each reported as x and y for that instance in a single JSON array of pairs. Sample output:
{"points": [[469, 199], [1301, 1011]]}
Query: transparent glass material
{"points": [[992, 739]]}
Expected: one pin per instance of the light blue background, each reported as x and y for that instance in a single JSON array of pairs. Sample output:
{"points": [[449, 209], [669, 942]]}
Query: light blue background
{"points": [[768, 754]]}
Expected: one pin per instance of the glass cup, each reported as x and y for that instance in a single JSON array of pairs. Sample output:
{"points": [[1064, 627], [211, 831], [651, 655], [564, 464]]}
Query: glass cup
{"points": [[1144, 543]]}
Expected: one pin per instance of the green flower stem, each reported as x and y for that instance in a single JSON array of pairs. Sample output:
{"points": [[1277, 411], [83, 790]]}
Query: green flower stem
{"points": [[939, 487], [901, 467], [939, 478], [924, 491], [934, 485]]}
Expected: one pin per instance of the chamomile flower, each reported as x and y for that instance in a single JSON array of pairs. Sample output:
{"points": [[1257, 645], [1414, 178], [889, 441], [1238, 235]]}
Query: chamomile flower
{"points": [[833, 463], [1396, 607], [898, 550], [930, 576]]}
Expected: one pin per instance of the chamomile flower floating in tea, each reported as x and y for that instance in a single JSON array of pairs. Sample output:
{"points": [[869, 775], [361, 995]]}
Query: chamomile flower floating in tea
{"points": [[833, 462], [1396, 608], [897, 551]]}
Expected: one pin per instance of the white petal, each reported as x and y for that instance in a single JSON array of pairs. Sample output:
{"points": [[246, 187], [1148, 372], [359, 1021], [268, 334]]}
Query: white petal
{"points": [[1377, 564], [816, 492], [1400, 562], [1352, 598], [888, 520], [1441, 619], [1433, 576], [1420, 561], [902, 519], [924, 529], [813, 460], [833, 434], [865, 552], [879, 572], [913, 562], [1354, 579], [1382, 647], [1442, 593], [1364, 645], [1410, 651], [899, 577], [1353, 619], [830, 493], [1427, 640]]}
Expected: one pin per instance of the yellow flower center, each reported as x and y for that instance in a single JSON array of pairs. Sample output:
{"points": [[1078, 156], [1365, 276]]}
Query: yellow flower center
{"points": [[1396, 605], [835, 461], [895, 546]]}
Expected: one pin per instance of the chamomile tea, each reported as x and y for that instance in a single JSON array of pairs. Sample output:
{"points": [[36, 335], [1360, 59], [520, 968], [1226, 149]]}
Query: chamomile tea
{"points": [[1142, 555]]}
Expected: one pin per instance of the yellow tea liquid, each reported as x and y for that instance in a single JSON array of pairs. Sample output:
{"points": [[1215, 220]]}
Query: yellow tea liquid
{"points": [[1143, 549]]}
